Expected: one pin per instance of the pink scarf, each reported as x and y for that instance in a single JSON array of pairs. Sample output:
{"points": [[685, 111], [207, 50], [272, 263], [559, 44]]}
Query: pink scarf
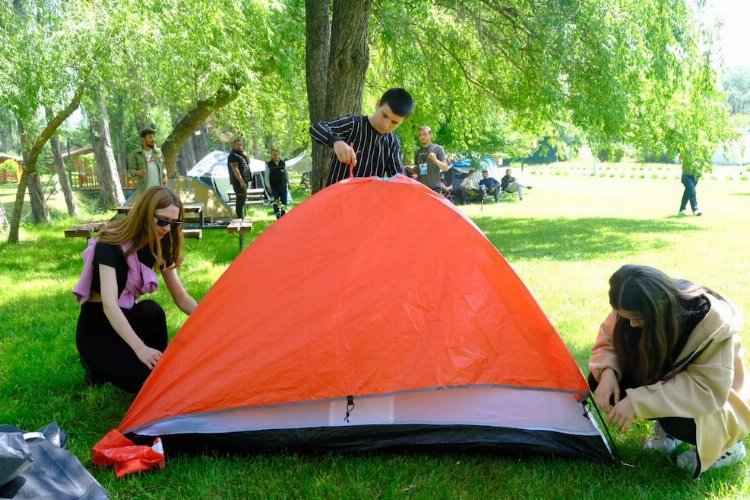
{"points": [[141, 279]]}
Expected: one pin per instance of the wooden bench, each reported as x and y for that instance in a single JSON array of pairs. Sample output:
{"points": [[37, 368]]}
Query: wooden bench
{"points": [[86, 230], [253, 197], [240, 226], [193, 233]]}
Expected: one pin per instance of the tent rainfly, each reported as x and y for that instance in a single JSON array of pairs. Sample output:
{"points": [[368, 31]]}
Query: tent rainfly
{"points": [[348, 325]]}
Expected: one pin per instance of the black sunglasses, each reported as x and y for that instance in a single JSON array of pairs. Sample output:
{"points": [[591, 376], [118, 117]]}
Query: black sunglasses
{"points": [[166, 222]]}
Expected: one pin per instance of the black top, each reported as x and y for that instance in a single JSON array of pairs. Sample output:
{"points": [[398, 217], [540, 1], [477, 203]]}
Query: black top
{"points": [[277, 177], [377, 154], [242, 165], [506, 181], [112, 255]]}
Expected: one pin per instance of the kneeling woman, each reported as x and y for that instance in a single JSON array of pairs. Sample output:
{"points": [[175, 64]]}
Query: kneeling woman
{"points": [[118, 339], [670, 351]]}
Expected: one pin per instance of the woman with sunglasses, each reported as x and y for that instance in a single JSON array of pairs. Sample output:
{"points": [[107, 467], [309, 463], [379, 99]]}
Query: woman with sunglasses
{"points": [[120, 340], [670, 351]]}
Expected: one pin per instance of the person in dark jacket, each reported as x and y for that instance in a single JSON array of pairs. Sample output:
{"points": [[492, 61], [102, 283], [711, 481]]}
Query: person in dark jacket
{"points": [[490, 185], [277, 183], [238, 164], [509, 184]]}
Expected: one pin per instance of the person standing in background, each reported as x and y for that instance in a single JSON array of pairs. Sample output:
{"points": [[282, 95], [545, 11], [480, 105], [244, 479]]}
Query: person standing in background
{"points": [[147, 163], [429, 160], [277, 183], [239, 173]]}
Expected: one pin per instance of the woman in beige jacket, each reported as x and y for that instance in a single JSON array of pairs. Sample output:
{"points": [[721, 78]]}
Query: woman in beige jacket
{"points": [[670, 351]]}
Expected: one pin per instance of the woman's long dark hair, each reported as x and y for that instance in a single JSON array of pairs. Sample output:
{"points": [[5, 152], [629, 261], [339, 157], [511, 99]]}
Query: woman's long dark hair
{"points": [[660, 300]]}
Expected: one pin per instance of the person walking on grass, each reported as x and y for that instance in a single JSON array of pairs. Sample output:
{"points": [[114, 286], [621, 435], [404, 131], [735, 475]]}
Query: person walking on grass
{"points": [[690, 181], [365, 146], [670, 351], [118, 339]]}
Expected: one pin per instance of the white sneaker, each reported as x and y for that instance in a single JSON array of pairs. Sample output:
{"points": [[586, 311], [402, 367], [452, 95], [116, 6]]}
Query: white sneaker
{"points": [[681, 213], [689, 459], [661, 441], [698, 213]]}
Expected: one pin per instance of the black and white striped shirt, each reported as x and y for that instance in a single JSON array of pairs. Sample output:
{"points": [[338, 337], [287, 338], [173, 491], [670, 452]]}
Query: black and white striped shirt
{"points": [[377, 154]]}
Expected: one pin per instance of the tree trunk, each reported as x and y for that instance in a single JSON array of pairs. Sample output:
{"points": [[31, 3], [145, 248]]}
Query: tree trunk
{"points": [[106, 168], [117, 133], [349, 57], [30, 160], [200, 143], [187, 153], [39, 210], [62, 175], [193, 119], [318, 42], [343, 77]]}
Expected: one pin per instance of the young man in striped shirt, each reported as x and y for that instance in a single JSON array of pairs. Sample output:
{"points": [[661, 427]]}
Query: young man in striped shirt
{"points": [[366, 144]]}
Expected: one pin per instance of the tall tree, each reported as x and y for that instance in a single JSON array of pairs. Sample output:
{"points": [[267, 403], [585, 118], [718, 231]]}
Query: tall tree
{"points": [[345, 66], [610, 68], [54, 47], [208, 52]]}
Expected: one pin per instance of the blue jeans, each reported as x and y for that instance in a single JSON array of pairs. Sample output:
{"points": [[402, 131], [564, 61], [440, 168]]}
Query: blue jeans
{"points": [[689, 181]]}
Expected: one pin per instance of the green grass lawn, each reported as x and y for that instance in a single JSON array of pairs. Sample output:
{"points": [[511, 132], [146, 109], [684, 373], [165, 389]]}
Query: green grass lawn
{"points": [[564, 240]]}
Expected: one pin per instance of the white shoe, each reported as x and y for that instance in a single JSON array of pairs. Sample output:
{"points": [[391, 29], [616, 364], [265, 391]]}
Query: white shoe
{"points": [[681, 213], [698, 213], [689, 459], [661, 442]]}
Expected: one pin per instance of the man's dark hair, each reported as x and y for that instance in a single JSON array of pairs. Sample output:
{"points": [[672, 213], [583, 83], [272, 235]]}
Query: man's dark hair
{"points": [[399, 100], [146, 131]]}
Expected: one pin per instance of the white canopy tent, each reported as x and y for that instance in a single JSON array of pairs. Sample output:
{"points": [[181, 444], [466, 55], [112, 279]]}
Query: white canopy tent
{"points": [[213, 171]]}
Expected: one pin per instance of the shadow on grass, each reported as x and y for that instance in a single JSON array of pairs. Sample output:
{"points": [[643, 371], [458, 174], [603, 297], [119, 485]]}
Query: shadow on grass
{"points": [[577, 239]]}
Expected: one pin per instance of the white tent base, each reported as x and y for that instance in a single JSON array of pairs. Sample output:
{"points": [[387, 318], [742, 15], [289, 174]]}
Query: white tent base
{"points": [[506, 419]]}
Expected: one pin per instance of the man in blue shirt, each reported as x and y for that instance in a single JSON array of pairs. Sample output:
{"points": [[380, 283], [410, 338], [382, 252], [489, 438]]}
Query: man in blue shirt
{"points": [[489, 185]]}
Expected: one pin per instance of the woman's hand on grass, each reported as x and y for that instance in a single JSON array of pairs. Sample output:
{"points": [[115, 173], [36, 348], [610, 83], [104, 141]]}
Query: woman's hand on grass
{"points": [[622, 415]]}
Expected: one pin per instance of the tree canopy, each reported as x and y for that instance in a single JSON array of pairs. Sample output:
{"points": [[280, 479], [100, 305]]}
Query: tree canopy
{"points": [[489, 76]]}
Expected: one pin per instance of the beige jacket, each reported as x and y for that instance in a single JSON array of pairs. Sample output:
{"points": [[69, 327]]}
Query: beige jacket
{"points": [[707, 383]]}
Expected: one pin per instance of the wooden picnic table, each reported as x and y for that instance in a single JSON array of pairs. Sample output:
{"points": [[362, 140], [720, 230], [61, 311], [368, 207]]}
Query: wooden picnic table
{"points": [[240, 226], [86, 230]]}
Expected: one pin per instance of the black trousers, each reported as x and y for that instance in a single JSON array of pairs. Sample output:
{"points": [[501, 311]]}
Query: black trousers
{"points": [[278, 197], [239, 204], [104, 351], [682, 428]]}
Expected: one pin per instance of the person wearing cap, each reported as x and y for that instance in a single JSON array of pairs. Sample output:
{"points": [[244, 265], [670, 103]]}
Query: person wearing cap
{"points": [[146, 164]]}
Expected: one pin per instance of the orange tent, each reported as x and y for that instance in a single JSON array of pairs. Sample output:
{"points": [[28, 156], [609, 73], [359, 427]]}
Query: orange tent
{"points": [[372, 315]]}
